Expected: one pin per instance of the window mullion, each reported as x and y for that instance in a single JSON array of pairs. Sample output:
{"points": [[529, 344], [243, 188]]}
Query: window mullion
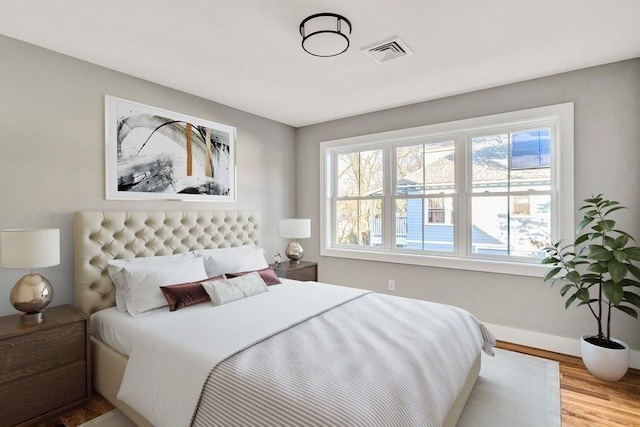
{"points": [[388, 210], [462, 227]]}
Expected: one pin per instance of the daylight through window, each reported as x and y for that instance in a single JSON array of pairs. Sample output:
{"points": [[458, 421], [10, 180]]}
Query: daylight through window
{"points": [[485, 189]]}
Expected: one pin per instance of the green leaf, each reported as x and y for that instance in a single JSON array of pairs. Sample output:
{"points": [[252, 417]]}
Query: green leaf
{"points": [[583, 294], [614, 209], [606, 224], [619, 255], [597, 267], [621, 241], [634, 270], [613, 292], [609, 241], [617, 270], [593, 199], [630, 282], [633, 253], [624, 233], [565, 289], [581, 239], [631, 298], [585, 221], [630, 311], [599, 253], [573, 276], [570, 301], [552, 273]]}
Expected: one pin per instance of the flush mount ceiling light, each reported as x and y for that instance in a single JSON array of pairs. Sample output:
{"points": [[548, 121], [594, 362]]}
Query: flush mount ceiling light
{"points": [[325, 34]]}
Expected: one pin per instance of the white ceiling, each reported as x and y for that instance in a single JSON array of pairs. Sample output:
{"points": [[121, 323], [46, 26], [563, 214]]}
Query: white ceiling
{"points": [[246, 53]]}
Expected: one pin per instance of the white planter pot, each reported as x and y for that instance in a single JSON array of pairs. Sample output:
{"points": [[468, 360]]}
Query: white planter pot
{"points": [[605, 363]]}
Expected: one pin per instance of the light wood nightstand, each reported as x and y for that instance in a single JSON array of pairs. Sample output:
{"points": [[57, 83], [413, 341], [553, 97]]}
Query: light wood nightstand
{"points": [[45, 368], [304, 271]]}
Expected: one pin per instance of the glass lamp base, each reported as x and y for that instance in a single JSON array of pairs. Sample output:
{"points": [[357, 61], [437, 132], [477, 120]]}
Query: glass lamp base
{"points": [[294, 251], [31, 294]]}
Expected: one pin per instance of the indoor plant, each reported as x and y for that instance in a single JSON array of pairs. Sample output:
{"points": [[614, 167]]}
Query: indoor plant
{"points": [[597, 271]]}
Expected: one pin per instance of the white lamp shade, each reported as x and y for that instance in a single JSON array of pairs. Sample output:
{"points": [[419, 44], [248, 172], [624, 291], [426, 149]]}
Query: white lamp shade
{"points": [[295, 228], [28, 249]]}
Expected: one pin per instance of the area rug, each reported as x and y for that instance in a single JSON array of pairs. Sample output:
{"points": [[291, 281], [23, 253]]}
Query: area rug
{"points": [[513, 389]]}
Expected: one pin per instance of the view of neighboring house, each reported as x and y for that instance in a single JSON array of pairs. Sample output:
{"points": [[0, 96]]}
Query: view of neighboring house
{"points": [[509, 197]]}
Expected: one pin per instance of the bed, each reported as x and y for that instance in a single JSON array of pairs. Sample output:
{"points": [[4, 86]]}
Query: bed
{"points": [[294, 334]]}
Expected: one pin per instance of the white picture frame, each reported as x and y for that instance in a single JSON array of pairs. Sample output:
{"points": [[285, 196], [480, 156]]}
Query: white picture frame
{"points": [[155, 154]]}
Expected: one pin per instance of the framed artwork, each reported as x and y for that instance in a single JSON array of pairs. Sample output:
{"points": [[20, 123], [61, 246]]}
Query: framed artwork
{"points": [[155, 154]]}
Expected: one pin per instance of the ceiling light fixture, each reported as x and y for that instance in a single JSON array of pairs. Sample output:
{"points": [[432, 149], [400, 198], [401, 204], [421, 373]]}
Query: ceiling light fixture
{"points": [[325, 34]]}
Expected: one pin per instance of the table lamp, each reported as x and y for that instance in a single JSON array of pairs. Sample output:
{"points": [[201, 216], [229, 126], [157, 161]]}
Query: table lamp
{"points": [[30, 249], [294, 228]]}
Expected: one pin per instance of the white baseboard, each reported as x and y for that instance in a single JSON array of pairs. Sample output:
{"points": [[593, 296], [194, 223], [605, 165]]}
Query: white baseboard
{"points": [[547, 342]]}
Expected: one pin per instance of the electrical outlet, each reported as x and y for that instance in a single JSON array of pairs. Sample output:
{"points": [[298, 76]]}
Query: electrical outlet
{"points": [[392, 285]]}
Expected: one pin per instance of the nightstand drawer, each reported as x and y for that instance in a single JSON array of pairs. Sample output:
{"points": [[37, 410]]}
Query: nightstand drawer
{"points": [[34, 396], [41, 351], [303, 274], [303, 270]]}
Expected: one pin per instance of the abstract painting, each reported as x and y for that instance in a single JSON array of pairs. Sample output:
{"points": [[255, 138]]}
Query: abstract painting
{"points": [[158, 154]]}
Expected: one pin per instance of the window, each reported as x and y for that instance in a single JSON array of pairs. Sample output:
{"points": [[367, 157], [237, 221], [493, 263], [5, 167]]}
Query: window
{"points": [[481, 194], [436, 210], [520, 205]]}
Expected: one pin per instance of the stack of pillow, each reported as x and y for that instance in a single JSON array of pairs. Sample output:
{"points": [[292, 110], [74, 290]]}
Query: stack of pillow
{"points": [[219, 275]]}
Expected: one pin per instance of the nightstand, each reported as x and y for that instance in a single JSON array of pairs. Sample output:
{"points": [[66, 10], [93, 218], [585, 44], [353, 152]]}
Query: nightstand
{"points": [[304, 271], [45, 368]]}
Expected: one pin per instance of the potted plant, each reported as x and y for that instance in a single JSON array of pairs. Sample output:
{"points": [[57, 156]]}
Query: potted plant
{"points": [[597, 271]]}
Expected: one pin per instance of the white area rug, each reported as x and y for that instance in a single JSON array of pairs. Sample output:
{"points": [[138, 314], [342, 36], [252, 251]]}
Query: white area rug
{"points": [[113, 418], [512, 390]]}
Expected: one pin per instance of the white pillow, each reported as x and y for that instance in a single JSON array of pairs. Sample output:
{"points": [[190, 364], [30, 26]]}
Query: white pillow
{"points": [[234, 261], [114, 268], [143, 281], [227, 290]]}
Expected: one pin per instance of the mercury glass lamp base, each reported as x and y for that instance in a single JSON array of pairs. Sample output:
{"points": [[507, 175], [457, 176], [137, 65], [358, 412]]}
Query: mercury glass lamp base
{"points": [[31, 294], [294, 251]]}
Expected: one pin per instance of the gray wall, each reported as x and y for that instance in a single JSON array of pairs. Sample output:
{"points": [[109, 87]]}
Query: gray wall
{"points": [[52, 152], [607, 155]]}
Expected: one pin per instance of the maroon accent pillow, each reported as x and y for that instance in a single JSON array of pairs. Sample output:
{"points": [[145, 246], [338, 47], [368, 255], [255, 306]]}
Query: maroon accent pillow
{"points": [[186, 294], [268, 275]]}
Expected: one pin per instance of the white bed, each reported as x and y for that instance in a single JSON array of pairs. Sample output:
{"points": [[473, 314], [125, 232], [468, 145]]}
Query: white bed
{"points": [[102, 236]]}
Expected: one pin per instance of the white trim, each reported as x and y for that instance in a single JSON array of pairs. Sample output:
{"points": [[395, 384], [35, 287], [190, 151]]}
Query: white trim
{"points": [[563, 345], [562, 153], [532, 269]]}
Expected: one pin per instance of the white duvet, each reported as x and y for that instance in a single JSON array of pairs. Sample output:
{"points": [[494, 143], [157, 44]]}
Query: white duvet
{"points": [[170, 362], [172, 353]]}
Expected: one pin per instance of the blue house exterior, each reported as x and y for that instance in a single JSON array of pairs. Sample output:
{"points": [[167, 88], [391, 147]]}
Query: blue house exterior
{"points": [[511, 232]]}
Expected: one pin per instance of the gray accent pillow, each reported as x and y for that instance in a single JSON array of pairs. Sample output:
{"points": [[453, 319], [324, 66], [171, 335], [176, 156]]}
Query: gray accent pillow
{"points": [[228, 290]]}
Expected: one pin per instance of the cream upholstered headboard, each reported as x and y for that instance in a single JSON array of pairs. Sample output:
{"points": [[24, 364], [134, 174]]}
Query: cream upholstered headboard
{"points": [[103, 236]]}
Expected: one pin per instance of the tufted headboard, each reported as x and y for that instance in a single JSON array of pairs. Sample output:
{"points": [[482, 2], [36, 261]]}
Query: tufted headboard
{"points": [[103, 236]]}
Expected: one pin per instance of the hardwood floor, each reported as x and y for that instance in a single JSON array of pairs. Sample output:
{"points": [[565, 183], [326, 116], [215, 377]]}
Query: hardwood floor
{"points": [[95, 407], [586, 400]]}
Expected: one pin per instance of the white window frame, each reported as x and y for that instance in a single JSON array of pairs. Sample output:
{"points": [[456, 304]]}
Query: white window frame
{"points": [[559, 117]]}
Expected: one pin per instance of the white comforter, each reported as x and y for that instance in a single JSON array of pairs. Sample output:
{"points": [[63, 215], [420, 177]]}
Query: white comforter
{"points": [[170, 363]]}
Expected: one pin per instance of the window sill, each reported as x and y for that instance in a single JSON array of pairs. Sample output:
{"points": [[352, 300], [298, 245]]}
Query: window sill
{"points": [[523, 268]]}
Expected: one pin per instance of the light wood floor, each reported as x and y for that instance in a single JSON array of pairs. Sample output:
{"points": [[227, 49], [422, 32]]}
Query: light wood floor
{"points": [[586, 400]]}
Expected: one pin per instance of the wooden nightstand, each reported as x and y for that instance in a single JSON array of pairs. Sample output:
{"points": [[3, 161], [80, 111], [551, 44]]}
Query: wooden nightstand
{"points": [[45, 368], [304, 271]]}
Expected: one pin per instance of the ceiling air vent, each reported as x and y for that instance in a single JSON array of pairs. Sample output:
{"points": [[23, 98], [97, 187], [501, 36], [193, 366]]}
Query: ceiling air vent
{"points": [[388, 50]]}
